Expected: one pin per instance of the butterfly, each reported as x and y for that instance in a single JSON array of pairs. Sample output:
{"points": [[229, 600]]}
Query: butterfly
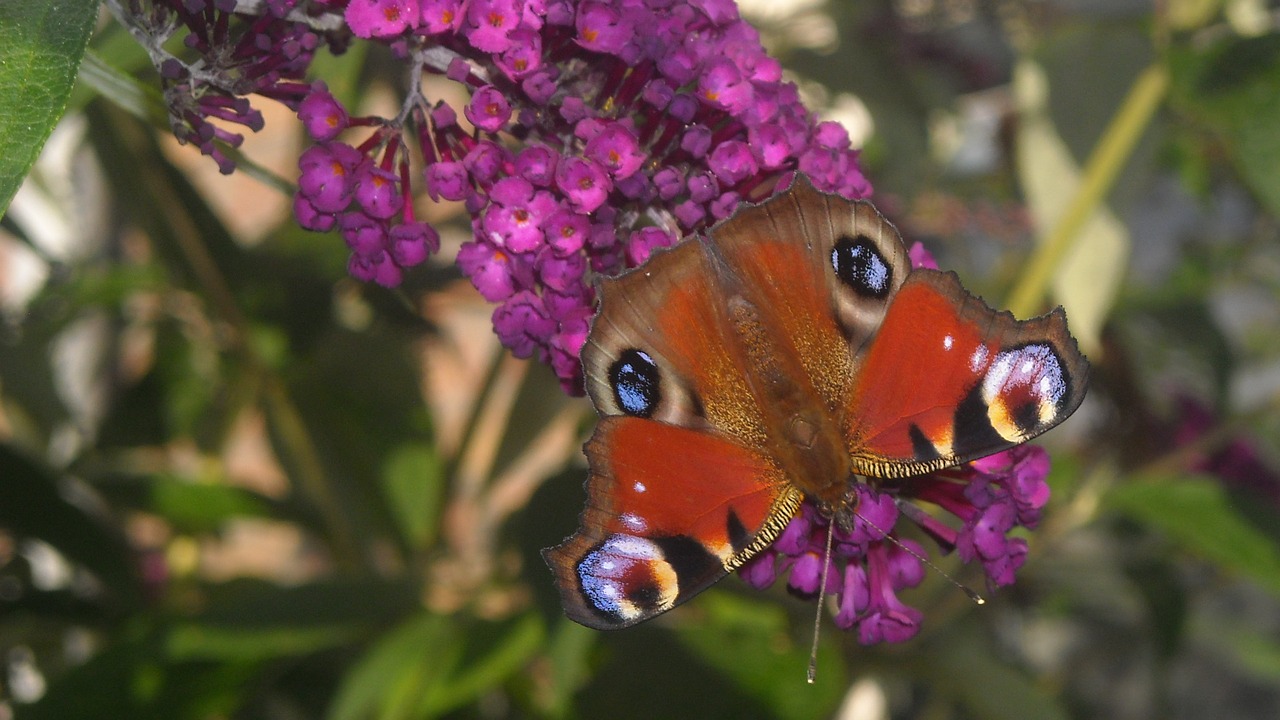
{"points": [[788, 353]]}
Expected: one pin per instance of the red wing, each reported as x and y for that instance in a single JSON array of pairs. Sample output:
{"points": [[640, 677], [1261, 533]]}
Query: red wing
{"points": [[669, 511], [947, 379]]}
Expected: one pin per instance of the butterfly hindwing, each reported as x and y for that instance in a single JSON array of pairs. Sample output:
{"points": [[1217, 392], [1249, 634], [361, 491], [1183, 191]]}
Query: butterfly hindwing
{"points": [[669, 511]]}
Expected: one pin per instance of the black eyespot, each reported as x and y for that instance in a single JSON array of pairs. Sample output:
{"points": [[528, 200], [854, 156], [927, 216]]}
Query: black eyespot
{"points": [[860, 265], [634, 378]]}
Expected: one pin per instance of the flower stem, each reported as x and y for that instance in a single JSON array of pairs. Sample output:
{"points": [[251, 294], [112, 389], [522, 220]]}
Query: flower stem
{"points": [[1100, 172]]}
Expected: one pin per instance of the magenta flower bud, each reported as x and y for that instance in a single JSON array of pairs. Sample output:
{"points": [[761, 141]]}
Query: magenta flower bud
{"points": [[443, 116], [602, 27], [689, 213], [921, 257], [309, 217], [488, 109], [617, 150], [411, 243], [489, 24], [696, 140], [759, 572], [567, 231], [770, 146], [658, 93], [732, 162], [439, 16], [560, 272], [364, 235], [447, 180], [381, 18], [523, 57], [537, 164], [378, 192], [644, 241], [725, 205], [485, 161], [854, 596], [583, 182], [540, 86], [321, 114], [522, 325], [491, 271], [669, 183], [327, 175], [459, 70]]}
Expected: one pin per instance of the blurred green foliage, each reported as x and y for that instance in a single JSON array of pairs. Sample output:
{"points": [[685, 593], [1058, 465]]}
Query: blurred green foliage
{"points": [[229, 489]]}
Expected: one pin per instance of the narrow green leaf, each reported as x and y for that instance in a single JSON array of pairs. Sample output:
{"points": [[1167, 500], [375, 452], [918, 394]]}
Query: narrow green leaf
{"points": [[750, 642], [393, 667], [192, 641], [433, 664], [40, 52], [413, 483], [1196, 513], [569, 650], [494, 653], [198, 508]]}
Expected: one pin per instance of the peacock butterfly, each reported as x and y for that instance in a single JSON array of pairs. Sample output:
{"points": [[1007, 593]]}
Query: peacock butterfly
{"points": [[791, 352]]}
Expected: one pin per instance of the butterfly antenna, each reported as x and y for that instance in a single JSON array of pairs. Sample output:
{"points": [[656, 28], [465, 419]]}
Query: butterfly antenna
{"points": [[812, 674], [975, 597]]}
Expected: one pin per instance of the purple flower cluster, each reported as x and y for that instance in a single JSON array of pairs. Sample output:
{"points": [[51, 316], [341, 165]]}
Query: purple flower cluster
{"points": [[599, 132], [596, 131], [869, 563], [362, 191], [235, 55]]}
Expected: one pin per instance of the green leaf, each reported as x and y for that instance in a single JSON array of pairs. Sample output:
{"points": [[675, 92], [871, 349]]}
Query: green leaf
{"points": [[750, 642], [964, 665], [413, 482], [42, 45], [494, 653], [1197, 514], [569, 651], [193, 507], [192, 641], [1231, 88], [432, 664]]}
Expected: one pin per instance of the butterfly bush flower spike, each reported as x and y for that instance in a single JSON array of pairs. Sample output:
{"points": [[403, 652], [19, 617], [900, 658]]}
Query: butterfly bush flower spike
{"points": [[635, 122]]}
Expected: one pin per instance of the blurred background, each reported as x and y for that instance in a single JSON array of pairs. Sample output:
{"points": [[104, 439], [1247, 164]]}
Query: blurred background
{"points": [[235, 483]]}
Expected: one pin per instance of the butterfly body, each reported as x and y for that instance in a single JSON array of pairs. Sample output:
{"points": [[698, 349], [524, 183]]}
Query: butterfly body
{"points": [[791, 352]]}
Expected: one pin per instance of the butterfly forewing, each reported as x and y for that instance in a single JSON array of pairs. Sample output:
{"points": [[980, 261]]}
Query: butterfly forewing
{"points": [[948, 379]]}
